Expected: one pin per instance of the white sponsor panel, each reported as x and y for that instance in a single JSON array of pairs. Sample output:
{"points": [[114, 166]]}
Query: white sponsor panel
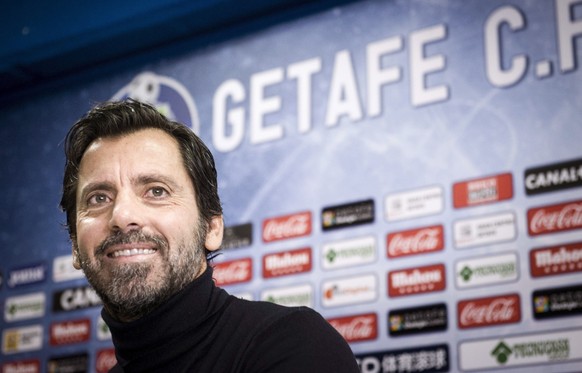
{"points": [[63, 269], [484, 230], [557, 347], [27, 338], [349, 290], [486, 270], [24, 307], [414, 203], [348, 253], [291, 296], [103, 332]]}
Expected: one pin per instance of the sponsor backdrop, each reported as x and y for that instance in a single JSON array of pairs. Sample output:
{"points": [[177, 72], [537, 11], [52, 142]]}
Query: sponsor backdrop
{"points": [[412, 170]]}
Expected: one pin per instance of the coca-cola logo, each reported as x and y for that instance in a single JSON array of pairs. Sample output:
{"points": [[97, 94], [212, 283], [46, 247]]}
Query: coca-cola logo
{"points": [[233, 272], [555, 218], [105, 360], [489, 311], [285, 227], [357, 328], [415, 241]]}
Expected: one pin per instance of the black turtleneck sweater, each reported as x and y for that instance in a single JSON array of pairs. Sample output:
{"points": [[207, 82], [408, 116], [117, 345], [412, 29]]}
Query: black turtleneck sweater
{"points": [[204, 329]]}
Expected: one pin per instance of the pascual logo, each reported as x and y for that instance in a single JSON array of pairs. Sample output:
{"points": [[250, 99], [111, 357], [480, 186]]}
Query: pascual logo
{"points": [[557, 302], [425, 319], [483, 190], [530, 349], [24, 307], [352, 290], [356, 328], [287, 263], [555, 260], [237, 236], [69, 332], [416, 280], [553, 177], [414, 204], [434, 358], [347, 215], [497, 310], [168, 95], [75, 299], [21, 366], [555, 218], [27, 275], [486, 270], [415, 241], [233, 272], [285, 227], [291, 296], [347, 253], [27, 338]]}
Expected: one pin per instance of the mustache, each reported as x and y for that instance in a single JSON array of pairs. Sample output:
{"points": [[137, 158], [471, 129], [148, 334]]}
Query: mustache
{"points": [[134, 236]]}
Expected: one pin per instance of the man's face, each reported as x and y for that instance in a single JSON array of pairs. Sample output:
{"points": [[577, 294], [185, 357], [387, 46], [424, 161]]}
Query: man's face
{"points": [[139, 234]]}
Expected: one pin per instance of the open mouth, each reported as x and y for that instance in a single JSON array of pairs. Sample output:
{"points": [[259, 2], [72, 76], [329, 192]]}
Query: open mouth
{"points": [[130, 252]]}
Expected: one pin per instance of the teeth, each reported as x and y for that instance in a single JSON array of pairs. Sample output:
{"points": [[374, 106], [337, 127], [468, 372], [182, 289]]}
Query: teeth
{"points": [[131, 252]]}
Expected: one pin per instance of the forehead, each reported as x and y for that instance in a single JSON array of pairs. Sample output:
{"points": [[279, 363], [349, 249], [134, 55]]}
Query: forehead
{"points": [[141, 151]]}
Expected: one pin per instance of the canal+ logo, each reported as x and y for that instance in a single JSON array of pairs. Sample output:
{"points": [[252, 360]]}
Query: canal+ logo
{"points": [[168, 95]]}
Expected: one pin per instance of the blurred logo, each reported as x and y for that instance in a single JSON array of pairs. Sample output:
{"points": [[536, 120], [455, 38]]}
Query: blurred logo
{"points": [[75, 299], [288, 226], [557, 302], [105, 360], [287, 263], [555, 218], [237, 236], [290, 296], [415, 241], [555, 260], [434, 358], [553, 177], [32, 274], [233, 272], [78, 363], [484, 190], [356, 328], [416, 280], [346, 215], [27, 338], [497, 310], [168, 95], [348, 253], [69, 332], [21, 366], [352, 290], [424, 319], [24, 307]]}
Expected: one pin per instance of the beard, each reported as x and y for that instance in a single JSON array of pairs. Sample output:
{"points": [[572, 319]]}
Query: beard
{"points": [[132, 290]]}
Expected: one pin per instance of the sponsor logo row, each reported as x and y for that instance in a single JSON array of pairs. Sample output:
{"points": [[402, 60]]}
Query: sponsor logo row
{"points": [[79, 362], [479, 355]]}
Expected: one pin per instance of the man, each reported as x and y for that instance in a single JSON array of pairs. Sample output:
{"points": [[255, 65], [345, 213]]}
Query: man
{"points": [[144, 217]]}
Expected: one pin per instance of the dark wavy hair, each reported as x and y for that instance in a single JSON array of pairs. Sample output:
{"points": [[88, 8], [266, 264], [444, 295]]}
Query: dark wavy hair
{"points": [[114, 119]]}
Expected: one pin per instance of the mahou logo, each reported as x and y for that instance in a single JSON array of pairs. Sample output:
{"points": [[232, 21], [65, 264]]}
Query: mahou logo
{"points": [[285, 227], [555, 260], [233, 272], [555, 218], [475, 313], [416, 280], [357, 328], [483, 190], [415, 241], [24, 366], [287, 263], [68, 332]]}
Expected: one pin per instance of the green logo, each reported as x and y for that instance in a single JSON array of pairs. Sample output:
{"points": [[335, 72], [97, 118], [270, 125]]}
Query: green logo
{"points": [[501, 352], [466, 273], [331, 255]]}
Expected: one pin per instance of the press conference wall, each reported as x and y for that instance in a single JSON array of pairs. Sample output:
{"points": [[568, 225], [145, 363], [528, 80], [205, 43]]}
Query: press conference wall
{"points": [[411, 170]]}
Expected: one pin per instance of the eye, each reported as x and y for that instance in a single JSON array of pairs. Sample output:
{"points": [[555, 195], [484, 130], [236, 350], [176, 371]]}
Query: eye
{"points": [[97, 199], [157, 192]]}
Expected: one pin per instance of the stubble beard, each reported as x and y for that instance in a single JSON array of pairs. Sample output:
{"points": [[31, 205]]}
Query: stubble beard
{"points": [[132, 290]]}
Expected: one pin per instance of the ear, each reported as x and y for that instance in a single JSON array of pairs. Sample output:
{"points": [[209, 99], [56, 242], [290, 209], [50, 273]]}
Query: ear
{"points": [[214, 234], [76, 259]]}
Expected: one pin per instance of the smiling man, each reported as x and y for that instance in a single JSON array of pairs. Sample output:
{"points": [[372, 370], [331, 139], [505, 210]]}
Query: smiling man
{"points": [[144, 217]]}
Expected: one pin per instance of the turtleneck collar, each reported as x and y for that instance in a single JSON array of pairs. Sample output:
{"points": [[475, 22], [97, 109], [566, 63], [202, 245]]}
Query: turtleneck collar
{"points": [[159, 334]]}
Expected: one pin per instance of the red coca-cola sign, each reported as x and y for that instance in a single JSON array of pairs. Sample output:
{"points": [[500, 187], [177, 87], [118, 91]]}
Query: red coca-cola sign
{"points": [[233, 272], [21, 366], [412, 281], [357, 328], [287, 263], [67, 332], [288, 226], [554, 218], [105, 360], [415, 241], [484, 190], [555, 260], [503, 309]]}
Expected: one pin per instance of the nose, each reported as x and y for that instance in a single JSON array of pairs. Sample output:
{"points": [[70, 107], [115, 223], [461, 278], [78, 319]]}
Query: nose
{"points": [[127, 213]]}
